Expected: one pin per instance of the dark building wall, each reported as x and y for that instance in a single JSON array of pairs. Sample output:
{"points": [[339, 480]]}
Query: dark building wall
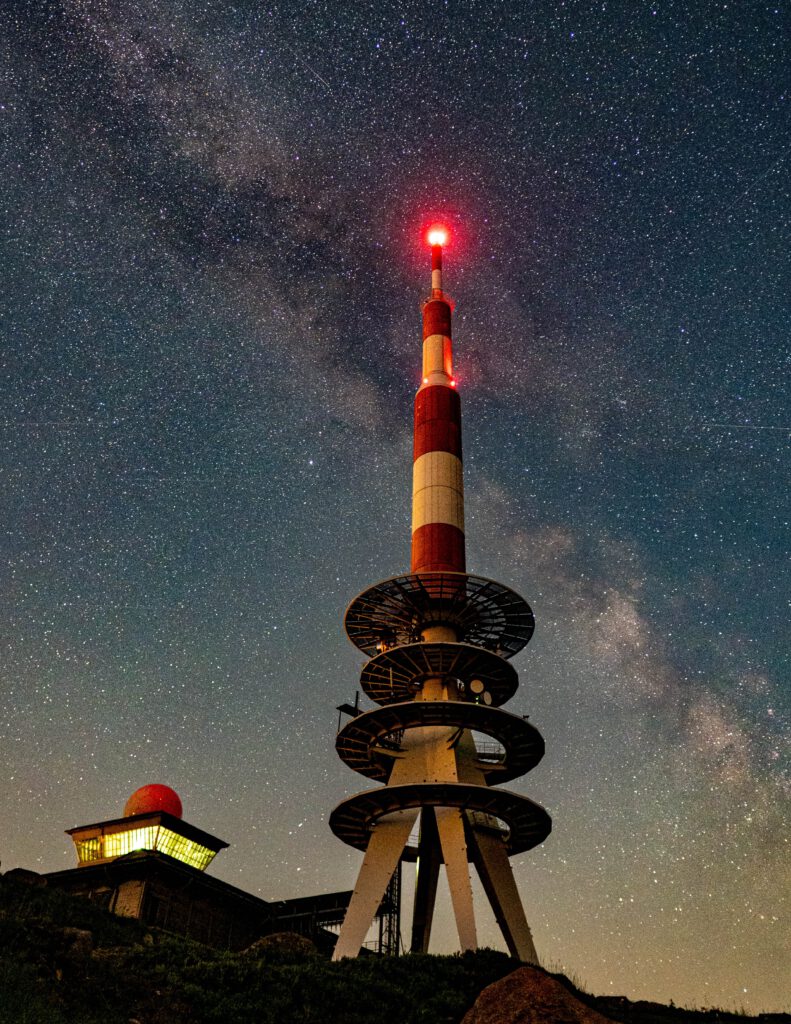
{"points": [[200, 917], [166, 894]]}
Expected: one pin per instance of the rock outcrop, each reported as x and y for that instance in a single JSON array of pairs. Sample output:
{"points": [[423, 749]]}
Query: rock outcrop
{"points": [[528, 996]]}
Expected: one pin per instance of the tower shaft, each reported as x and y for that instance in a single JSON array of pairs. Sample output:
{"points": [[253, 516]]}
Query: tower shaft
{"points": [[437, 485]]}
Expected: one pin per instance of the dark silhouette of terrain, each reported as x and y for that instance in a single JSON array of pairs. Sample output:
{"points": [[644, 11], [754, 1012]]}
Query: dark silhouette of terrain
{"points": [[64, 960]]}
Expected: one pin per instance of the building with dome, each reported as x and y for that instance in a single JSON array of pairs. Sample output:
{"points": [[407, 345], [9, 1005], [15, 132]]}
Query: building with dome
{"points": [[150, 864]]}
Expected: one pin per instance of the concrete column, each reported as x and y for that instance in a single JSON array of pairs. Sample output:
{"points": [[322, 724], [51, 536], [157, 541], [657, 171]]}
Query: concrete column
{"points": [[385, 847], [450, 826], [426, 884], [494, 868]]}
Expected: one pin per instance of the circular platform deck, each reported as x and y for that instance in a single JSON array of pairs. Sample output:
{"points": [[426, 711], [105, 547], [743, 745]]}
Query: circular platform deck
{"points": [[528, 823], [484, 613], [356, 742], [395, 675]]}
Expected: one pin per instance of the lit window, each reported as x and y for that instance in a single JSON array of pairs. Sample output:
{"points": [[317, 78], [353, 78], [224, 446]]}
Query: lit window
{"points": [[119, 843], [89, 849], [192, 853], [148, 837]]}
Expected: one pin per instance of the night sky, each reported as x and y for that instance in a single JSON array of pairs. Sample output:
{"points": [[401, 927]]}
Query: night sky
{"points": [[212, 269]]}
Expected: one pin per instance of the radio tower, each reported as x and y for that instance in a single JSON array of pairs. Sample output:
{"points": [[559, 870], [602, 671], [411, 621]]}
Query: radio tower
{"points": [[439, 640]]}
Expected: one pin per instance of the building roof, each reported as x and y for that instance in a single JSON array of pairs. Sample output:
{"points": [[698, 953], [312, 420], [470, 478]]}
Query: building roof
{"points": [[133, 821]]}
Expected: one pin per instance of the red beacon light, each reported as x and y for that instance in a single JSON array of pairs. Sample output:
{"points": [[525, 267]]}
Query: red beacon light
{"points": [[437, 235], [453, 383]]}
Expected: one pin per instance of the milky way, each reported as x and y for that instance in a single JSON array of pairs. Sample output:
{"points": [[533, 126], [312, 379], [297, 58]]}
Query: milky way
{"points": [[212, 271]]}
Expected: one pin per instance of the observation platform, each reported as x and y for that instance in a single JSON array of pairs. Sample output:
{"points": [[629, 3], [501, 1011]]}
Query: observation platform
{"points": [[483, 613], [396, 674], [527, 823], [370, 742]]}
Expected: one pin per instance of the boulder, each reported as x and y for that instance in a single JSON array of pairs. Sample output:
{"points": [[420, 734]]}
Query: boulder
{"points": [[528, 996], [71, 951], [26, 877]]}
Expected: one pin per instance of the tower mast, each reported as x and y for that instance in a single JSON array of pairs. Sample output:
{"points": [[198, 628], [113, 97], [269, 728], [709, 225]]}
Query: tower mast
{"points": [[437, 485], [439, 640]]}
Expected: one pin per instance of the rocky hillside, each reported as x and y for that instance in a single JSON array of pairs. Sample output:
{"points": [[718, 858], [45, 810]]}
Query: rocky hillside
{"points": [[530, 996], [65, 961]]}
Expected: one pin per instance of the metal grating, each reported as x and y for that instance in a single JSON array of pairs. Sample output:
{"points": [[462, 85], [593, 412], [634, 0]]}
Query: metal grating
{"points": [[529, 823], [484, 613], [359, 739], [395, 674]]}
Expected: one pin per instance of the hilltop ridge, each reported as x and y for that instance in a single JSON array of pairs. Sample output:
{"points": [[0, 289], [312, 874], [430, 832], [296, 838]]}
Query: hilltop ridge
{"points": [[64, 960]]}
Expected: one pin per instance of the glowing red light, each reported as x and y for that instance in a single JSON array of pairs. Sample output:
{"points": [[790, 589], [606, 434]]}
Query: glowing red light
{"points": [[453, 383], [437, 235], [425, 380]]}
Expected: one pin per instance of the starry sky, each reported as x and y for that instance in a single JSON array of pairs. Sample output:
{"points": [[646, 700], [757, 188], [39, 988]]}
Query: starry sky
{"points": [[212, 271]]}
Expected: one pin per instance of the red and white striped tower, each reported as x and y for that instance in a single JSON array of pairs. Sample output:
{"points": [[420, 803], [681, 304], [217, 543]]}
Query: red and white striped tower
{"points": [[439, 640], [437, 485]]}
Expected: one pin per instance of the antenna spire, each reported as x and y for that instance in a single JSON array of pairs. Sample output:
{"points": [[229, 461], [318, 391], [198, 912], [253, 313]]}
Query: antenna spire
{"points": [[437, 237]]}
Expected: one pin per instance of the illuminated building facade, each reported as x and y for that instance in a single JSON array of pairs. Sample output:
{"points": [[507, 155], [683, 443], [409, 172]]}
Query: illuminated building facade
{"points": [[439, 642], [157, 833], [150, 865]]}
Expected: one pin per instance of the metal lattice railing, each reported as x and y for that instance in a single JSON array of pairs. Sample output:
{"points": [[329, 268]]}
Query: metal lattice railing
{"points": [[492, 752]]}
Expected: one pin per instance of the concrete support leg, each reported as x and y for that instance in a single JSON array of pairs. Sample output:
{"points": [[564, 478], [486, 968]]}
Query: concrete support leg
{"points": [[491, 860], [385, 847], [450, 825], [429, 859]]}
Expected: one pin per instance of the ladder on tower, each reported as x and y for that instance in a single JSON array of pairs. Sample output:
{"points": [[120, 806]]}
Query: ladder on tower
{"points": [[390, 917]]}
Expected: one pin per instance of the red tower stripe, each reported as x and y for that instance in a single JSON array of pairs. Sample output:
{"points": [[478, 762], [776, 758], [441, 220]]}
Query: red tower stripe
{"points": [[436, 318], [438, 547], [437, 421]]}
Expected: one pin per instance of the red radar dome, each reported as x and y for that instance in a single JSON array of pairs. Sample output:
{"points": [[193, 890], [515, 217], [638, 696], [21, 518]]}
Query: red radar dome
{"points": [[152, 798]]}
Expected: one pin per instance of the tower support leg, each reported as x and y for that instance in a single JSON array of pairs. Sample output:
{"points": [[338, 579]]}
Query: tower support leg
{"points": [[426, 886], [385, 847], [494, 868], [450, 825]]}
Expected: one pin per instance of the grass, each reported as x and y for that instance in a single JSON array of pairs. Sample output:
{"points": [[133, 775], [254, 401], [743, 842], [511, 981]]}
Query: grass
{"points": [[138, 974]]}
